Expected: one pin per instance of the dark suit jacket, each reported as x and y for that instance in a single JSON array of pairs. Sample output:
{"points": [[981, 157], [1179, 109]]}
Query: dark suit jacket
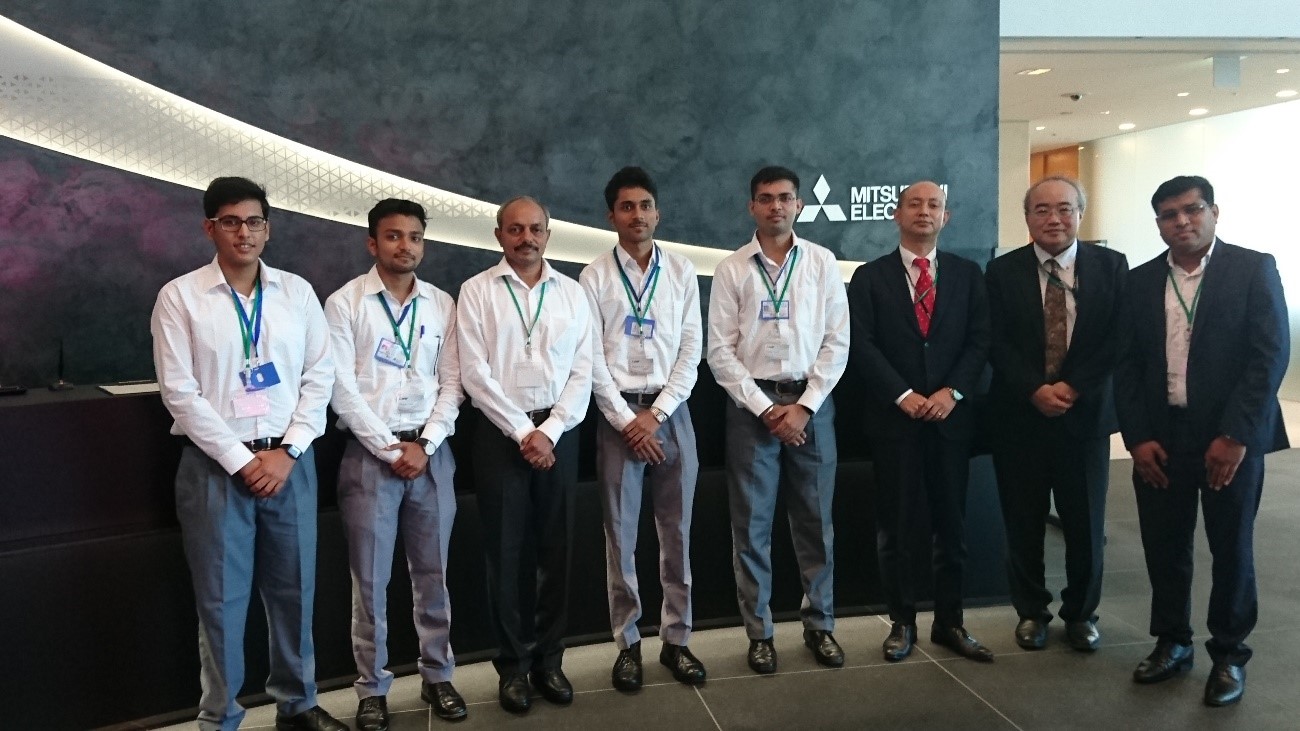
{"points": [[1239, 351], [1019, 343], [887, 350]]}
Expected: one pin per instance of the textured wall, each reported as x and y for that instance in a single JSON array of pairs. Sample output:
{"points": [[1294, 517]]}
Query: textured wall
{"points": [[490, 99]]}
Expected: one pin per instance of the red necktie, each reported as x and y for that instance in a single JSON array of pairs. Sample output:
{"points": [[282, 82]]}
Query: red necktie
{"points": [[924, 301]]}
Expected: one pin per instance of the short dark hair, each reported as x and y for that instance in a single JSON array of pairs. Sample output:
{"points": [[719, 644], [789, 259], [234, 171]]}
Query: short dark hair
{"points": [[771, 174], [227, 191], [394, 207], [1175, 187], [629, 177]]}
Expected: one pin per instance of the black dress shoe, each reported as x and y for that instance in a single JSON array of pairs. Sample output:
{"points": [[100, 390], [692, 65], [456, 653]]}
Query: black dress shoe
{"points": [[512, 693], [1167, 660], [372, 714], [898, 644], [685, 666], [1031, 634], [553, 686], [445, 701], [1083, 636], [312, 719], [824, 647], [1226, 684], [626, 675], [762, 656], [959, 641]]}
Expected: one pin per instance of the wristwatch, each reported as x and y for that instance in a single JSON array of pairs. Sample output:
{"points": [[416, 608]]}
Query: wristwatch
{"points": [[292, 451], [660, 416], [426, 445], [956, 395]]}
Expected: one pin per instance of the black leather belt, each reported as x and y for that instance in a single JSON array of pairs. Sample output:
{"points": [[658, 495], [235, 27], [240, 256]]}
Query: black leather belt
{"points": [[640, 399], [539, 416], [408, 435], [783, 388], [257, 445]]}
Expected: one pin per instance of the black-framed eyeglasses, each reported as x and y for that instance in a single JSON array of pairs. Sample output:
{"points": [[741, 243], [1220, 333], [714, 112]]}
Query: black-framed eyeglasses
{"points": [[231, 224]]}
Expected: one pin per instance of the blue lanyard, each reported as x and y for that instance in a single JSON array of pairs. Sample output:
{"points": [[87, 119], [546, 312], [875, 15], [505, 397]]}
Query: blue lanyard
{"points": [[634, 297], [250, 328]]}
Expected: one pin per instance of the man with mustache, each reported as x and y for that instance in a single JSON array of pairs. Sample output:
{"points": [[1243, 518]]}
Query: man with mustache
{"points": [[397, 393], [525, 360]]}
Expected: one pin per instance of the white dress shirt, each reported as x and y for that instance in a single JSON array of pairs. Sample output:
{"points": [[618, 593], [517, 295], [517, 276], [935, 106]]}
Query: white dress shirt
{"points": [[368, 392], [673, 353], [1178, 332], [913, 273], [817, 333], [492, 349], [1069, 277], [198, 354]]}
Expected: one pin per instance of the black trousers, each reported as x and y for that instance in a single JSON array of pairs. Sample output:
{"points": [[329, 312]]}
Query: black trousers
{"points": [[1042, 466], [920, 504], [1168, 522], [528, 544]]}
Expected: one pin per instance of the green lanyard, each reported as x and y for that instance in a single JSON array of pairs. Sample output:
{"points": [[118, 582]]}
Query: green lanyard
{"points": [[634, 298], [769, 281], [1190, 312], [250, 327], [397, 325], [528, 326]]}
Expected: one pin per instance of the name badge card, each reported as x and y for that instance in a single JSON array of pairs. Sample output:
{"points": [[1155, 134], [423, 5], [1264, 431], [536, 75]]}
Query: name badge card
{"points": [[640, 365], [390, 352], [260, 377], [768, 310], [251, 404], [777, 349], [529, 375], [411, 394], [644, 329]]}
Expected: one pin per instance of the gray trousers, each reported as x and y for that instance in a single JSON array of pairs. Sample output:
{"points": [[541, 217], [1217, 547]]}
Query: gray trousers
{"points": [[376, 506], [758, 465], [672, 492], [227, 533]]}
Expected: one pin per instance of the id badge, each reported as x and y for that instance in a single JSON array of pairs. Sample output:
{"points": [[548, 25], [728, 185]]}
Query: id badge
{"points": [[390, 352], [644, 329], [640, 365], [528, 375], [777, 349], [769, 311], [411, 394], [260, 377], [250, 404]]}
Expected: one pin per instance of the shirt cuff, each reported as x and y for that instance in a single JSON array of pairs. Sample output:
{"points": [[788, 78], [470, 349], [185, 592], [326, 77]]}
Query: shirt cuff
{"points": [[553, 428], [904, 395], [235, 458], [436, 434]]}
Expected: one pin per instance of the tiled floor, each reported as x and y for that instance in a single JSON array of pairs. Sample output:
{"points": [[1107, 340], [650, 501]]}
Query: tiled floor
{"points": [[1052, 689]]}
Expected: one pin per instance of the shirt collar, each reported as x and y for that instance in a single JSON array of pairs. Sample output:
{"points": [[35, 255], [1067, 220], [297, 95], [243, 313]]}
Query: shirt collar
{"points": [[503, 269], [1065, 258], [630, 264], [1200, 268], [372, 284], [753, 247], [210, 275], [909, 257]]}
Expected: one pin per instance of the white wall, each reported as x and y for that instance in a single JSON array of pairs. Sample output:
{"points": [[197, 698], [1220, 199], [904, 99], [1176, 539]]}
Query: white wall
{"points": [[1013, 179], [1149, 18], [1253, 160]]}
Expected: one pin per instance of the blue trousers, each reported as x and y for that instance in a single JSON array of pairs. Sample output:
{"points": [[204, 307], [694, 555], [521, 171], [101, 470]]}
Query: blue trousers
{"points": [[228, 534]]}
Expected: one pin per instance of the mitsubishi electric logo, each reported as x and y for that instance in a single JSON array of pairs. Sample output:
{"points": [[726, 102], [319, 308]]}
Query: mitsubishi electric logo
{"points": [[833, 211]]}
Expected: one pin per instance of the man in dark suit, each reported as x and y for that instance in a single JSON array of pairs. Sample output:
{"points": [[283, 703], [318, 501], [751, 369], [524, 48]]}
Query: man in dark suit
{"points": [[1196, 390], [1056, 310], [920, 347]]}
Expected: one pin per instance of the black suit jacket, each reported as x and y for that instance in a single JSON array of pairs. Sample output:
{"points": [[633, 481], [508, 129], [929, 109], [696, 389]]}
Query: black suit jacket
{"points": [[887, 350], [1239, 351], [1019, 347]]}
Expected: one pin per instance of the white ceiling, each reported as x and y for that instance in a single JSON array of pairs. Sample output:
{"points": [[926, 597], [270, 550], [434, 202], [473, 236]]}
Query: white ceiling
{"points": [[1133, 80]]}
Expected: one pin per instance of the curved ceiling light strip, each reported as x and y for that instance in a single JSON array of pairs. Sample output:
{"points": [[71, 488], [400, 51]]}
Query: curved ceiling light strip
{"points": [[56, 98]]}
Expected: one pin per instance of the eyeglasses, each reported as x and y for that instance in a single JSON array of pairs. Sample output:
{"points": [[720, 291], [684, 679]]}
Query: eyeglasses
{"points": [[1064, 211], [1192, 211], [766, 199], [231, 224]]}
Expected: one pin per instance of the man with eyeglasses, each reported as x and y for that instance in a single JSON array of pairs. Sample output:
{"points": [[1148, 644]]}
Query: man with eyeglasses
{"points": [[1196, 387], [241, 352], [1056, 309], [920, 341], [778, 344], [397, 394], [525, 338], [646, 306]]}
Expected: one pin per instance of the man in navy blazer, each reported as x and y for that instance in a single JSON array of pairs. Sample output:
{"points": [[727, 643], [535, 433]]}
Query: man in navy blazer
{"points": [[1056, 308], [920, 339], [1196, 389]]}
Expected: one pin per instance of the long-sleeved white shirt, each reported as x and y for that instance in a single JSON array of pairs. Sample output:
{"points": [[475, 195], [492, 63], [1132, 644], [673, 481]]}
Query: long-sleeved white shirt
{"points": [[668, 361], [493, 356], [198, 354], [1069, 276], [743, 347], [368, 391], [1178, 331]]}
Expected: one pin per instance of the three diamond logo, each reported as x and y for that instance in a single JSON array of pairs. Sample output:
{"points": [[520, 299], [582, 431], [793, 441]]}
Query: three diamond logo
{"points": [[832, 210]]}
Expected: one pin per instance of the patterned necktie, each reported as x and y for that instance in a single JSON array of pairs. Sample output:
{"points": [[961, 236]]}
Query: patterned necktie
{"points": [[924, 302], [1054, 323]]}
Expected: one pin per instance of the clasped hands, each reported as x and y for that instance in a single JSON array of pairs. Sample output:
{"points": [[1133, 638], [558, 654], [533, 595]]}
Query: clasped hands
{"points": [[935, 408], [786, 422], [1054, 399], [1222, 459], [264, 475]]}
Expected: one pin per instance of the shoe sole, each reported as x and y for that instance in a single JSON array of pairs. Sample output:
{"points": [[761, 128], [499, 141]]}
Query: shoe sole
{"points": [[1221, 704], [685, 679]]}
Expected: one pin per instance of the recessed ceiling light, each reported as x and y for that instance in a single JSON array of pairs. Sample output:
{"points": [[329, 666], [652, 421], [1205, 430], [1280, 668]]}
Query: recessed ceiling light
{"points": [[1184, 93], [1032, 72], [1040, 128], [1284, 71], [1197, 111], [1106, 112], [1127, 126], [1285, 94]]}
